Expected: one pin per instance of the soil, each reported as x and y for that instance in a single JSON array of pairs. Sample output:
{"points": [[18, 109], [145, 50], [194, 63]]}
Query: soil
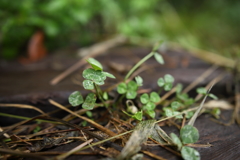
{"points": [[30, 84]]}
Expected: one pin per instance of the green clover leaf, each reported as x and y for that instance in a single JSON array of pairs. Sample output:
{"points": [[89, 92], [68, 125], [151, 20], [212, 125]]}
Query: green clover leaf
{"points": [[176, 140], [130, 89], [175, 105], [158, 58], [166, 82], [95, 64], [154, 97], [144, 98], [189, 134], [75, 99], [139, 80], [189, 153], [122, 88], [94, 75], [151, 113], [87, 84], [89, 101]]}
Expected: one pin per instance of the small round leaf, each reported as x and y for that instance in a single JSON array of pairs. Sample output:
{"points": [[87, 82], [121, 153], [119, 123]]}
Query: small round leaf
{"points": [[160, 82], [89, 101], [154, 97], [189, 134], [168, 78], [189, 153], [87, 84], [175, 105], [149, 106], [131, 94], [168, 86], [95, 64], [159, 58], [122, 88], [176, 140], [75, 98], [144, 98], [201, 90], [132, 86]]}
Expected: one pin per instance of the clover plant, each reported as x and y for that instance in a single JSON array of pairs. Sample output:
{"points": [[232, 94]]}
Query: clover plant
{"points": [[94, 77], [166, 82], [130, 89], [149, 102], [203, 91], [172, 110]]}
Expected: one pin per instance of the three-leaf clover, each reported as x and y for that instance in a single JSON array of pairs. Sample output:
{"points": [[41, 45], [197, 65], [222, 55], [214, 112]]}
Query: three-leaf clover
{"points": [[76, 99], [166, 82], [129, 89], [172, 110], [202, 90], [94, 74], [149, 102]]}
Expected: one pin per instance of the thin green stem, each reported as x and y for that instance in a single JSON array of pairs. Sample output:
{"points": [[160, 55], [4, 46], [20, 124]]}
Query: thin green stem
{"points": [[138, 64]]}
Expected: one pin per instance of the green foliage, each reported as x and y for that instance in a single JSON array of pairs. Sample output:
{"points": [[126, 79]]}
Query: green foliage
{"points": [[129, 89], [166, 82], [89, 102], [189, 153], [138, 115], [139, 81], [158, 58], [95, 64], [203, 91], [149, 102], [75, 99], [176, 141], [189, 134]]}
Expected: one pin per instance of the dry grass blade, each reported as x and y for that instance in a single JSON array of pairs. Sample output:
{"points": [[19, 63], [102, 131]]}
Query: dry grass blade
{"points": [[65, 155], [22, 106], [153, 155], [100, 127]]}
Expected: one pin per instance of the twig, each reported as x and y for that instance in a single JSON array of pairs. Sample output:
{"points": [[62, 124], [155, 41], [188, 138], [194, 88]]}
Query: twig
{"points": [[90, 52]]}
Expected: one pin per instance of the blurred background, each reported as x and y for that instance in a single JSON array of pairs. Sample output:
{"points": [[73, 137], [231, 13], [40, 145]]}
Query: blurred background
{"points": [[209, 25]]}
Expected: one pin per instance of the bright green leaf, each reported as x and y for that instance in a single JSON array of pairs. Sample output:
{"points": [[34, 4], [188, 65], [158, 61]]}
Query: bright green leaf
{"points": [[89, 101], [95, 64], [132, 86], [168, 78], [201, 90], [87, 84], [131, 94], [154, 97], [149, 106], [122, 88], [189, 153], [168, 86], [151, 113], [175, 105], [144, 98], [160, 82], [216, 112], [176, 140], [99, 82], [75, 98], [105, 95], [89, 113], [95, 76], [189, 134], [159, 58], [109, 75], [138, 116], [139, 80]]}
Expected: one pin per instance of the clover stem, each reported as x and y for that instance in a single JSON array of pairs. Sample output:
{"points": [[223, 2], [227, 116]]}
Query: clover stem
{"points": [[99, 94], [138, 64]]}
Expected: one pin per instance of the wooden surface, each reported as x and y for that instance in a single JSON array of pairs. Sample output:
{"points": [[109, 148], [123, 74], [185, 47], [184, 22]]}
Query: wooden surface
{"points": [[30, 85]]}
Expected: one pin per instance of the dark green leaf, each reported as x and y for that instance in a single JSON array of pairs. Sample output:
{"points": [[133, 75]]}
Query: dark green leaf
{"points": [[109, 75], [168, 78], [201, 90], [122, 88], [87, 84], [75, 98], [131, 94], [176, 141], [189, 134], [189, 153], [144, 98], [89, 101], [95, 64], [132, 86], [159, 58], [160, 82], [139, 80], [154, 97]]}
